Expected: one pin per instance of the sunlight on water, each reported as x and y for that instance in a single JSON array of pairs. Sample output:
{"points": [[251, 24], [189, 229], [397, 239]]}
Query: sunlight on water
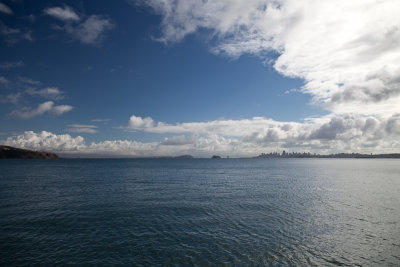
{"points": [[318, 212]]}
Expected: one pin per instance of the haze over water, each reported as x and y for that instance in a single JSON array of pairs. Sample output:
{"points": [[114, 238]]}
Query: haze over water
{"points": [[200, 212]]}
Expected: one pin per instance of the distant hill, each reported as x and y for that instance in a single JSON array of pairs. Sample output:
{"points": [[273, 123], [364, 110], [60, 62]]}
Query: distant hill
{"points": [[185, 157], [8, 152]]}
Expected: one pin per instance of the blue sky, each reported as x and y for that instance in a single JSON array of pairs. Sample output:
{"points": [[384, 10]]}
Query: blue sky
{"points": [[145, 78]]}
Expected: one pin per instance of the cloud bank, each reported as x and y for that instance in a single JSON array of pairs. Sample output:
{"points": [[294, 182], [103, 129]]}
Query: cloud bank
{"points": [[236, 138], [330, 133]]}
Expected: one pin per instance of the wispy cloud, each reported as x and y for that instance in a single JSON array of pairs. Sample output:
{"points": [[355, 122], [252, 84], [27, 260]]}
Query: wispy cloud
{"points": [[11, 98], [25, 92], [65, 13], [49, 92], [92, 30], [9, 65], [3, 80], [30, 81], [87, 29], [14, 35], [46, 107], [5, 9], [82, 128], [101, 120]]}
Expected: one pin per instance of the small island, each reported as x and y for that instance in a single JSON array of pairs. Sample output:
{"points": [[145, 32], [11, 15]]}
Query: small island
{"points": [[216, 157], [9, 152]]}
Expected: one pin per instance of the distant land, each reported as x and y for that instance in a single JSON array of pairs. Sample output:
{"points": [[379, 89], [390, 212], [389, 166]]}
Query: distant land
{"points": [[339, 155], [8, 152], [184, 157]]}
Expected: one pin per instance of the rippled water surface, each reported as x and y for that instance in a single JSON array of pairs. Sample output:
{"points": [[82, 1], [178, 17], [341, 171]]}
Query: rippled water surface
{"points": [[200, 212]]}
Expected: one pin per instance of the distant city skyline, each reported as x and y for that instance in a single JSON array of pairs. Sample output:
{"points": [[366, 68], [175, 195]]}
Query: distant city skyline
{"points": [[168, 78]]}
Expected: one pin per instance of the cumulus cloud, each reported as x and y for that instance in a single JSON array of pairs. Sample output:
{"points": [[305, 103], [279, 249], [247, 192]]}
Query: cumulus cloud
{"points": [[46, 107], [68, 145], [370, 136], [330, 133], [82, 128], [238, 128], [347, 52], [49, 92], [139, 123], [5, 9], [46, 141], [88, 30]]}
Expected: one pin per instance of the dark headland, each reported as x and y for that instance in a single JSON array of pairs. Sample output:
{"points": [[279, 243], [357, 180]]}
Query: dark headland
{"points": [[9, 152]]}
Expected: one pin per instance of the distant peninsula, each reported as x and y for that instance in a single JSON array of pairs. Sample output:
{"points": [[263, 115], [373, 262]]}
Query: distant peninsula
{"points": [[284, 154], [8, 152]]}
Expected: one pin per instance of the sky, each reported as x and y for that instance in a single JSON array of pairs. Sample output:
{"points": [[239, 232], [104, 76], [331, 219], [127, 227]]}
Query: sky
{"points": [[138, 78]]}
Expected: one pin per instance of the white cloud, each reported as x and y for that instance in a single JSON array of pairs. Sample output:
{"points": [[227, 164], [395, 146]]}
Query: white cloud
{"points": [[49, 92], [46, 141], [66, 13], [347, 52], [46, 107], [25, 92], [90, 30], [61, 109], [68, 145], [137, 123], [82, 128], [330, 133], [5, 9], [331, 136]]}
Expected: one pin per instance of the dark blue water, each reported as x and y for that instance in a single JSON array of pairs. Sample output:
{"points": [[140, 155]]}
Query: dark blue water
{"points": [[204, 212]]}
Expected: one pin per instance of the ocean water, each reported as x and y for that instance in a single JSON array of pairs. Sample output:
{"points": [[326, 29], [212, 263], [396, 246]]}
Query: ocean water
{"points": [[204, 212]]}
